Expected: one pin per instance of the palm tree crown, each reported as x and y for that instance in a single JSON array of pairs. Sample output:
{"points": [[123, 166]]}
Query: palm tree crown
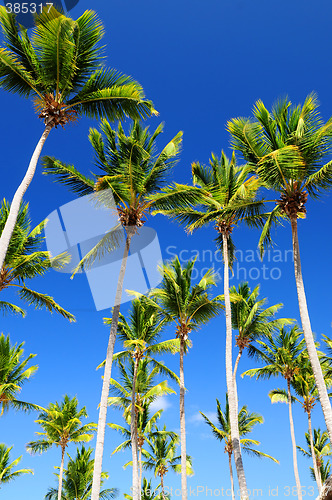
{"points": [[25, 260], [60, 66], [14, 372], [77, 482], [7, 473]]}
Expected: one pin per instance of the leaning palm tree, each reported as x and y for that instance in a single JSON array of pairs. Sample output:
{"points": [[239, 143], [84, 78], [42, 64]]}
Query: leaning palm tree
{"points": [[222, 431], [321, 448], [161, 456], [188, 306], [129, 168], [60, 66], [287, 148], [223, 194], [61, 424], [140, 340], [251, 319], [26, 260], [77, 482], [281, 355], [14, 372], [6, 466]]}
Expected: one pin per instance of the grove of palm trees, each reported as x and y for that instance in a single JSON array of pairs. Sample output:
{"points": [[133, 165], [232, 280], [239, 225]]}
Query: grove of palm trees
{"points": [[165, 251]]}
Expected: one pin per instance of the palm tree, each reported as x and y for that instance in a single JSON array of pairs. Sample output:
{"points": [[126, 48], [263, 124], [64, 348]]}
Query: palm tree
{"points": [[25, 260], [131, 169], [61, 424], [304, 385], [188, 307], [222, 432], [281, 355], [149, 492], [146, 391], [286, 148], [145, 425], [223, 194], [6, 466], [140, 340], [251, 319], [161, 456], [77, 482], [14, 372], [321, 448], [60, 66]]}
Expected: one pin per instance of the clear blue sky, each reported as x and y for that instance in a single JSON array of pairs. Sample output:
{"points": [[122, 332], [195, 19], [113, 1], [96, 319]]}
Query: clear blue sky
{"points": [[201, 63]]}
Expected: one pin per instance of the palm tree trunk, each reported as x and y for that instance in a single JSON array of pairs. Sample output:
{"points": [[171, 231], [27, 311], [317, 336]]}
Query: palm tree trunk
{"points": [[313, 454], [306, 326], [16, 202], [162, 486], [61, 472], [232, 397], [133, 435], [140, 471], [234, 376], [97, 470], [183, 426], [231, 474], [291, 424]]}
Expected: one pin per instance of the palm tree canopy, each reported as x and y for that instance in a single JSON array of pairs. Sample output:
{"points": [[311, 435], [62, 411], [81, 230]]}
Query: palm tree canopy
{"points": [[247, 422], [61, 424], [161, 453], [14, 372], [77, 483], [280, 353], [322, 445], [26, 260], [6, 466], [128, 167], [286, 148], [60, 65], [147, 390], [180, 301], [222, 193], [250, 317], [141, 333], [149, 492]]}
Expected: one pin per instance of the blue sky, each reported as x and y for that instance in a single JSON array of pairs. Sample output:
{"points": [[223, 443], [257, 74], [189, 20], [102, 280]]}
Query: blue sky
{"points": [[201, 63]]}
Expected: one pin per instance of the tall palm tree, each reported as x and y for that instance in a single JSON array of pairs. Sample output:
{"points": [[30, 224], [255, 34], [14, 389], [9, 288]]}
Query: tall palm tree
{"points": [[140, 340], [61, 424], [188, 306], [161, 456], [60, 67], [287, 148], [77, 482], [6, 466], [304, 385], [321, 448], [145, 426], [223, 194], [222, 432], [146, 391], [26, 260], [128, 166], [251, 319], [281, 355], [14, 372]]}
